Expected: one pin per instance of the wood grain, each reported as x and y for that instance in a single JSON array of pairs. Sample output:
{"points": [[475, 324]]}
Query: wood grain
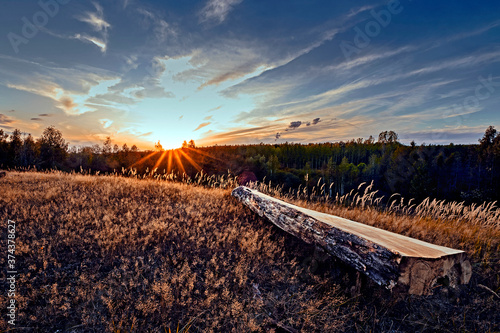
{"points": [[389, 259]]}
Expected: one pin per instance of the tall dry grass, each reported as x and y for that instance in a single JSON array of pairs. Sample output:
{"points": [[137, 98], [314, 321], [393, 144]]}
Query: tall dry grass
{"points": [[117, 254], [141, 254], [486, 214], [474, 228]]}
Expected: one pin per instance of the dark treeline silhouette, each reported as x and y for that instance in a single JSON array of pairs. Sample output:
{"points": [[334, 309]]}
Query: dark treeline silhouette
{"points": [[468, 173]]}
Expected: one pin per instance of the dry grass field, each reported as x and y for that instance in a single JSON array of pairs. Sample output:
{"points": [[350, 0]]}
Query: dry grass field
{"points": [[116, 254]]}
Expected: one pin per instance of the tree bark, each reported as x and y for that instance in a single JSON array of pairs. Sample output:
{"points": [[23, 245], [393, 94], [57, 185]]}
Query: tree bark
{"points": [[387, 258]]}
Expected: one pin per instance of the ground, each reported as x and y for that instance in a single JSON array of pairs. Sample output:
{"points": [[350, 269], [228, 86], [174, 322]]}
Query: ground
{"points": [[105, 253]]}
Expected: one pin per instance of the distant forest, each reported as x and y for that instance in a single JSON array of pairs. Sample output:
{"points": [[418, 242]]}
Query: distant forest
{"points": [[468, 173]]}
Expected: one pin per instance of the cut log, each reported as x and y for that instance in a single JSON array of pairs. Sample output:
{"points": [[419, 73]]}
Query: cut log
{"points": [[389, 259]]}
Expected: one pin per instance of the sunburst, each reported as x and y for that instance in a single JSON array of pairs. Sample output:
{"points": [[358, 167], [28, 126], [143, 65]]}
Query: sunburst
{"points": [[190, 160], [179, 161], [169, 163], [175, 159], [144, 159], [157, 164]]}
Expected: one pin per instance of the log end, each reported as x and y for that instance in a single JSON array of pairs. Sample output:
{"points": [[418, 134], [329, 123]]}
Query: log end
{"points": [[420, 276]]}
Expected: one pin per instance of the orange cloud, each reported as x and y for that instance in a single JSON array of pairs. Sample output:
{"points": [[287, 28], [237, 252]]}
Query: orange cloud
{"points": [[67, 103], [201, 126]]}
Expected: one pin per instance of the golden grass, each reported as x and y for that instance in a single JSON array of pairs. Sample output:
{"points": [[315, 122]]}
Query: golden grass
{"points": [[108, 253], [114, 254], [474, 228]]}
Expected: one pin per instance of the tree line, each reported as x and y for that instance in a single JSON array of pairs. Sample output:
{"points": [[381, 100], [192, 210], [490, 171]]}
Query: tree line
{"points": [[455, 172]]}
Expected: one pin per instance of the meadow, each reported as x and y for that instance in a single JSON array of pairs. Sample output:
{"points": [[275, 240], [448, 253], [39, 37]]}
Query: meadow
{"points": [[125, 254]]}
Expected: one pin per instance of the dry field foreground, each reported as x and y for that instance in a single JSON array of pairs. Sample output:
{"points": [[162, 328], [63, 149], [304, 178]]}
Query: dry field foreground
{"points": [[118, 254]]}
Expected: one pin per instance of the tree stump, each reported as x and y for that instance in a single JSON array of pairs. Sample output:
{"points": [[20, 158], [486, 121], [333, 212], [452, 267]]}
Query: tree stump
{"points": [[389, 259]]}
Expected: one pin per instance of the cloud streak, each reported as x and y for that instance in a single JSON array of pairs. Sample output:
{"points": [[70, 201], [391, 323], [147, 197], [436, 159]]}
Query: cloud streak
{"points": [[201, 126], [217, 10], [4, 119], [96, 20], [99, 24]]}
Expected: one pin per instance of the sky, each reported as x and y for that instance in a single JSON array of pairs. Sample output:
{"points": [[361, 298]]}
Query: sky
{"points": [[250, 71]]}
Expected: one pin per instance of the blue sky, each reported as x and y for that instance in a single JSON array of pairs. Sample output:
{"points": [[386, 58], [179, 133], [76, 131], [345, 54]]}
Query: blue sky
{"points": [[250, 71]]}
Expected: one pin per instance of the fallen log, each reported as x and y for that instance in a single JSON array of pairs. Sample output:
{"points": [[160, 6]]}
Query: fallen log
{"points": [[389, 259]]}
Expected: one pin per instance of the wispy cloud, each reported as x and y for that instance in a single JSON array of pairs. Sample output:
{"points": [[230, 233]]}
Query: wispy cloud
{"points": [[224, 60], [358, 10], [327, 130], [126, 3], [94, 40], [458, 135], [239, 135], [106, 123], [63, 99], [217, 10], [141, 83], [4, 119], [99, 24], [474, 32], [111, 98], [215, 109], [160, 28], [201, 126], [370, 58], [153, 92], [96, 19], [66, 87], [49, 90]]}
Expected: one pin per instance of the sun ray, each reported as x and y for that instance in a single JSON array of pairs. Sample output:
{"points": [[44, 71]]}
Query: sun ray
{"points": [[190, 160], [179, 161], [169, 163], [160, 159], [144, 159]]}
